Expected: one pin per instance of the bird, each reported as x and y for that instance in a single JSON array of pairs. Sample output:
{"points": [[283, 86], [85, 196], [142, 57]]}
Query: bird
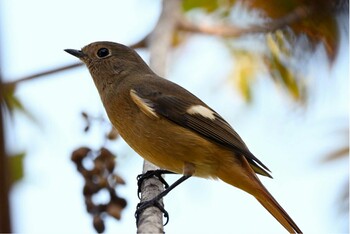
{"points": [[172, 128]]}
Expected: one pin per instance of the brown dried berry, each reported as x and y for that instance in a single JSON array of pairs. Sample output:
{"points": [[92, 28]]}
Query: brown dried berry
{"points": [[118, 201], [99, 225], [105, 154], [114, 210], [90, 206], [79, 154], [99, 167], [102, 182], [110, 164], [90, 188]]}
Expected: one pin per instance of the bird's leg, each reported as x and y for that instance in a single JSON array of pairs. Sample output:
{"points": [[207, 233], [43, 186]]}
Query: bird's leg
{"points": [[155, 201], [156, 173]]}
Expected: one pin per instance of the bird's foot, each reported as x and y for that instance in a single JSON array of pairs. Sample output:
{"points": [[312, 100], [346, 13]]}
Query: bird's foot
{"points": [[153, 173], [153, 202]]}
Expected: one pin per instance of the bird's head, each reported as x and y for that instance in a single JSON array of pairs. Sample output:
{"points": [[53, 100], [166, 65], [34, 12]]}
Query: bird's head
{"points": [[109, 62]]}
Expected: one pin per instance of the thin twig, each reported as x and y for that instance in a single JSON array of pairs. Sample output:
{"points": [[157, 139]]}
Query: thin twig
{"points": [[44, 73], [140, 44], [234, 31]]}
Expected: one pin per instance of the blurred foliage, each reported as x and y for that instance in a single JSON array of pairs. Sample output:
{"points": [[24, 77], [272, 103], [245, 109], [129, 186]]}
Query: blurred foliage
{"points": [[207, 5], [276, 61], [279, 69], [320, 26], [341, 153], [12, 103], [16, 167], [316, 21], [246, 65]]}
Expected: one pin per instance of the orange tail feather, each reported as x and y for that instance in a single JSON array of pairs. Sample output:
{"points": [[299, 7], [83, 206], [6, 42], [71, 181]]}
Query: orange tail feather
{"points": [[242, 176], [275, 209]]}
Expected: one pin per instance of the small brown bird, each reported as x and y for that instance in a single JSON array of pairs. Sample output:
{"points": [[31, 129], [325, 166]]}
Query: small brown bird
{"points": [[170, 127]]}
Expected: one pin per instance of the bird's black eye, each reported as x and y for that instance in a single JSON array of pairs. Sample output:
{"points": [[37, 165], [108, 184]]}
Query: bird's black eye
{"points": [[103, 52]]}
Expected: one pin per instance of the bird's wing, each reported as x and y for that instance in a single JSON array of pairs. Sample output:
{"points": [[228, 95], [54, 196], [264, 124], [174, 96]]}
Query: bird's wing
{"points": [[197, 117]]}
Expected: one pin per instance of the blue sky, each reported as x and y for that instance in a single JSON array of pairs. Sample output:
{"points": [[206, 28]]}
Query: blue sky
{"points": [[290, 141]]}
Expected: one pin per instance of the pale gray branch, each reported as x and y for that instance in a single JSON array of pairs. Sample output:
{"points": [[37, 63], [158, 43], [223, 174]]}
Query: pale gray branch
{"points": [[160, 39], [151, 219], [235, 31]]}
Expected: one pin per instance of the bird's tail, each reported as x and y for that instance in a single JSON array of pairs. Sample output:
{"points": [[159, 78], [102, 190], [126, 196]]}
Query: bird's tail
{"points": [[244, 178], [275, 209]]}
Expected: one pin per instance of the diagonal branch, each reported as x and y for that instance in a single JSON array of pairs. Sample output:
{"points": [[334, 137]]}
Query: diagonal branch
{"points": [[140, 44], [44, 73], [235, 31]]}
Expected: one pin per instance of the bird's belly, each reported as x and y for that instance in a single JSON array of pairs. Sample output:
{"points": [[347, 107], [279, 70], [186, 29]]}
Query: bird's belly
{"points": [[170, 146]]}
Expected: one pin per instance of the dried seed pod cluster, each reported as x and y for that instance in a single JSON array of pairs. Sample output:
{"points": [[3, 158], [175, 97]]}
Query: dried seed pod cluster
{"points": [[97, 178]]}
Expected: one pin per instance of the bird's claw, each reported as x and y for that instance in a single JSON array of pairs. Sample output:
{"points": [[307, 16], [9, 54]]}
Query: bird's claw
{"points": [[156, 173], [144, 205]]}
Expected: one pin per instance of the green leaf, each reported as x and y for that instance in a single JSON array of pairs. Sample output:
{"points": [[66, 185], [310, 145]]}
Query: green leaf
{"points": [[12, 102], [16, 167], [208, 5]]}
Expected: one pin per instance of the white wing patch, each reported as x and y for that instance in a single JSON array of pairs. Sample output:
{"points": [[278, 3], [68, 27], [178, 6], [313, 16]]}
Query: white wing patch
{"points": [[201, 110], [145, 105]]}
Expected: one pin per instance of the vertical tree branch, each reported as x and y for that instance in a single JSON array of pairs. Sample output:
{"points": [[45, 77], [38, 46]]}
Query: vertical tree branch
{"points": [[5, 223], [151, 220], [160, 39]]}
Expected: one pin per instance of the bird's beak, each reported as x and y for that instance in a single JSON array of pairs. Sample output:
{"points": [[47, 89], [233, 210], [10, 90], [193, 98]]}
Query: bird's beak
{"points": [[76, 53]]}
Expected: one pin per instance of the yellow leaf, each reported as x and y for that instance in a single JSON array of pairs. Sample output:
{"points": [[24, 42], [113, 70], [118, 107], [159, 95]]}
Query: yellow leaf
{"points": [[281, 73], [245, 67], [178, 38]]}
